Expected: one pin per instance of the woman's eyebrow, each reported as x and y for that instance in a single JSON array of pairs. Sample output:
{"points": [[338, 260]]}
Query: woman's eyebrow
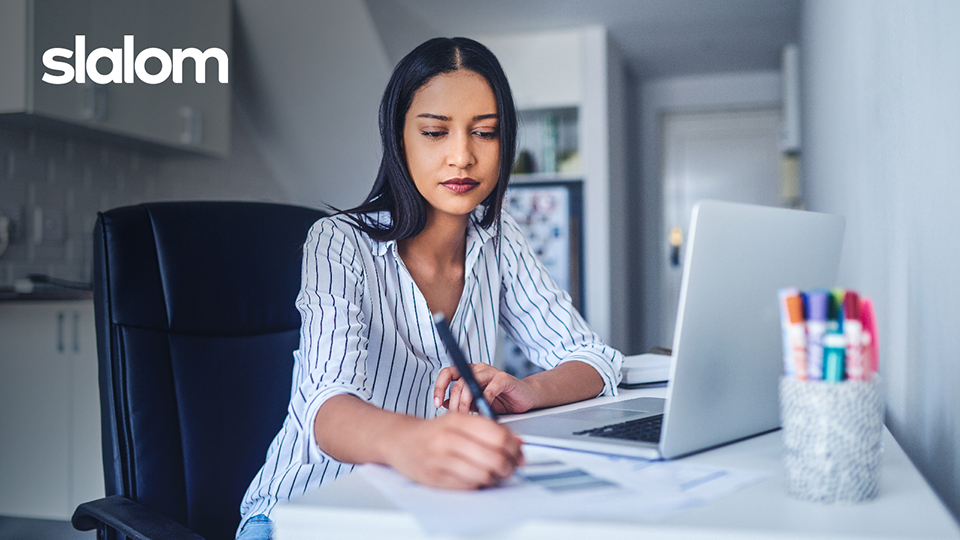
{"points": [[447, 118]]}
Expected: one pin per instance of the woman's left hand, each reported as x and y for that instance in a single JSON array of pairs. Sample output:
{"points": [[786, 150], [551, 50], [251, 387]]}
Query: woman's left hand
{"points": [[505, 393]]}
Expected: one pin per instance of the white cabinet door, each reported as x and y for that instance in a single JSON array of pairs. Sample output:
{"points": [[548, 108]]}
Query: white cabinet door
{"points": [[50, 457], [86, 452]]}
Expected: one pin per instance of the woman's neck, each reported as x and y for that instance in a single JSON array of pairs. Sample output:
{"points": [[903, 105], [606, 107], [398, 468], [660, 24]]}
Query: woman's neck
{"points": [[441, 244], [435, 259]]}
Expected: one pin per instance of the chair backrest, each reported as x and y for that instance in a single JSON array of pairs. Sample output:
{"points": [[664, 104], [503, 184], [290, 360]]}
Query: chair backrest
{"points": [[196, 326]]}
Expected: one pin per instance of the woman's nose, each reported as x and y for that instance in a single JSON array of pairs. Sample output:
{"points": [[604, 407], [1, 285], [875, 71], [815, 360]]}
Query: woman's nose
{"points": [[461, 153]]}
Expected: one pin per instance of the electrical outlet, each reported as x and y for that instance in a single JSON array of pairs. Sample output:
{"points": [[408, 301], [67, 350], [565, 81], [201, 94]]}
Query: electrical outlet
{"points": [[48, 226], [4, 233], [15, 228]]}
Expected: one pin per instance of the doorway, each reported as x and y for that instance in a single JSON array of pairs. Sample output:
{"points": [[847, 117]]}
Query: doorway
{"points": [[726, 155]]}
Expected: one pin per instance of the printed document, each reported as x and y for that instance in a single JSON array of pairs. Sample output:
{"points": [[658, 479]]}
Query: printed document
{"points": [[564, 484]]}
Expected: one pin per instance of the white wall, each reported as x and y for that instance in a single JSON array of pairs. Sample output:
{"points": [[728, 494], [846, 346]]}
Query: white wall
{"points": [[881, 102], [315, 72], [621, 239], [657, 97]]}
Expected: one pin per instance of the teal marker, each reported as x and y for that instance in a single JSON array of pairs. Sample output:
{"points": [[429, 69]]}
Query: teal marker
{"points": [[834, 347]]}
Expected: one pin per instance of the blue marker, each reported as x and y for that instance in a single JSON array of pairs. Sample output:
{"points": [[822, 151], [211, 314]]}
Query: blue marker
{"points": [[817, 316]]}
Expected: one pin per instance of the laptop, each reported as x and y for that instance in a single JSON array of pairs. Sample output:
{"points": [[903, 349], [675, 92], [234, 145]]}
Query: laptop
{"points": [[727, 356]]}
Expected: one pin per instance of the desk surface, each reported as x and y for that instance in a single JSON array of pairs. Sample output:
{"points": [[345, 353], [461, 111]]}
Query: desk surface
{"points": [[906, 507]]}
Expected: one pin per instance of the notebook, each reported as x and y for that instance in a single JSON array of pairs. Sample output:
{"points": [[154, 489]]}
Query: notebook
{"points": [[642, 370], [727, 354]]}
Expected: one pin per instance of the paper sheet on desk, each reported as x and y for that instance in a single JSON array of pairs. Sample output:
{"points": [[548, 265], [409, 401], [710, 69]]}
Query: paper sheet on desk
{"points": [[564, 484]]}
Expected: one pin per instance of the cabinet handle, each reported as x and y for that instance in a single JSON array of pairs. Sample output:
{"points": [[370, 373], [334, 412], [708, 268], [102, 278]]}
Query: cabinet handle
{"points": [[76, 331], [94, 103], [60, 332], [192, 132]]}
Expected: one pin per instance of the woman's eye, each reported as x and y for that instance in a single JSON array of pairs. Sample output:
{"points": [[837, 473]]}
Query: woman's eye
{"points": [[487, 135], [433, 134]]}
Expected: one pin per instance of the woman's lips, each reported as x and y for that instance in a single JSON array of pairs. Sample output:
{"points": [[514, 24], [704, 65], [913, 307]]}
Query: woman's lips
{"points": [[460, 185]]}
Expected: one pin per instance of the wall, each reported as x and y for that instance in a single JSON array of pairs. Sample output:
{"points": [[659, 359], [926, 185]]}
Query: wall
{"points": [[657, 97], [882, 147], [316, 71]]}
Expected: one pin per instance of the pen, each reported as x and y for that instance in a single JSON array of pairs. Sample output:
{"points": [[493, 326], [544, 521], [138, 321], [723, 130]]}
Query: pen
{"points": [[462, 366]]}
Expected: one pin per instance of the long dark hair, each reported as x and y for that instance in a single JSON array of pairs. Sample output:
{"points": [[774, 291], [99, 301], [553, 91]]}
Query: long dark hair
{"points": [[394, 190]]}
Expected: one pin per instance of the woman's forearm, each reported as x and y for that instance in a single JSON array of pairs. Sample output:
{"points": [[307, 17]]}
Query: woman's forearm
{"points": [[351, 430], [569, 382], [457, 451]]}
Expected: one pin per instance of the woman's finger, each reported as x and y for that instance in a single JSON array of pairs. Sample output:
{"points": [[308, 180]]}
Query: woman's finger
{"points": [[444, 378]]}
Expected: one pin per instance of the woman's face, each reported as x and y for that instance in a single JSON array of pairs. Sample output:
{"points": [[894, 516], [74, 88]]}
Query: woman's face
{"points": [[451, 139]]}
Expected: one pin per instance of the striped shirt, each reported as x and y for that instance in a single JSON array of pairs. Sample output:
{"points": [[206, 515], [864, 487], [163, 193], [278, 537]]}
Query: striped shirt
{"points": [[367, 331]]}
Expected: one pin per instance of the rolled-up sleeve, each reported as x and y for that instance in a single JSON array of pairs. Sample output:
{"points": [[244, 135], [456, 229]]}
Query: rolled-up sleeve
{"points": [[540, 317], [333, 333]]}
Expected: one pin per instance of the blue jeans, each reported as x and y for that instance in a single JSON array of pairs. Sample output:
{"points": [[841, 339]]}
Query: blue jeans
{"points": [[258, 527]]}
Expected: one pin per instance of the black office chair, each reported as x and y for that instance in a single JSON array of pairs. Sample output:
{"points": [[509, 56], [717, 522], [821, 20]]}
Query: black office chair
{"points": [[196, 326]]}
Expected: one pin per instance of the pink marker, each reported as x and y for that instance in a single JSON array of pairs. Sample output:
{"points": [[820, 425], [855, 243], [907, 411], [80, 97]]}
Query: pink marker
{"points": [[871, 343], [852, 330]]}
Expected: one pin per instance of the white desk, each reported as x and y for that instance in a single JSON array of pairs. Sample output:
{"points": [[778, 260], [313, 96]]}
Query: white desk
{"points": [[906, 508]]}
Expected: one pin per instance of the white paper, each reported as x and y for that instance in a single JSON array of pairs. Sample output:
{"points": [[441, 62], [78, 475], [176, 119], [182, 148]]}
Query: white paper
{"points": [[564, 484]]}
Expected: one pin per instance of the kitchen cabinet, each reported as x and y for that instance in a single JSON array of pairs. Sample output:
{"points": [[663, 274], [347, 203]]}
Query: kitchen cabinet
{"points": [[188, 115], [50, 453]]}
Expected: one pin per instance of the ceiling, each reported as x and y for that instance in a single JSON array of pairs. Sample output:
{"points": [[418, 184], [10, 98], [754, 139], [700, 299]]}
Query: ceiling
{"points": [[659, 38]]}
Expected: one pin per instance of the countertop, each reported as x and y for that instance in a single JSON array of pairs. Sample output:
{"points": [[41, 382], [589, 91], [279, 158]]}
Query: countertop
{"points": [[45, 294]]}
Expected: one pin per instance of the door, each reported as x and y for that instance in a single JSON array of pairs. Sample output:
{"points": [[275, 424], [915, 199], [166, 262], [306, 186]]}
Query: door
{"points": [[728, 155]]}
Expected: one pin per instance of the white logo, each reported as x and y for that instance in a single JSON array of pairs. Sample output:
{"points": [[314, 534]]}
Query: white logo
{"points": [[124, 65]]}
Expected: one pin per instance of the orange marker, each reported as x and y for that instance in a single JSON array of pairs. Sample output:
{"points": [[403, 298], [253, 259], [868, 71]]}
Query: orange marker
{"points": [[797, 334]]}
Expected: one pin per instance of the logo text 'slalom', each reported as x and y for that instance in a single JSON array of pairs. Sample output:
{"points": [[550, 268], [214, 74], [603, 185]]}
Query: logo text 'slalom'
{"points": [[124, 65]]}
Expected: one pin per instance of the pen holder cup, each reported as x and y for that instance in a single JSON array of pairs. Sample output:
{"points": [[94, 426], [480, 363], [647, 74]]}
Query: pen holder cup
{"points": [[832, 439]]}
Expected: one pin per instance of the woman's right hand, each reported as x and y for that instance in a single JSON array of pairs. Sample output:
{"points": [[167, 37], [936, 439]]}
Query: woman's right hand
{"points": [[455, 451]]}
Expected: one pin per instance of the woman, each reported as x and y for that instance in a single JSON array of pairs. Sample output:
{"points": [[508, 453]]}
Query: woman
{"points": [[371, 376]]}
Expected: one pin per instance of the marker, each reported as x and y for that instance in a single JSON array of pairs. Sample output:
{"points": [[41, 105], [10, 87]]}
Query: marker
{"points": [[871, 343], [834, 346], [817, 314], [782, 295], [466, 373], [835, 323], [797, 333], [852, 330]]}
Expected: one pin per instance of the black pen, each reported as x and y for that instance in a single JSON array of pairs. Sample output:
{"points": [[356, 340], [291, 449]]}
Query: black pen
{"points": [[462, 366]]}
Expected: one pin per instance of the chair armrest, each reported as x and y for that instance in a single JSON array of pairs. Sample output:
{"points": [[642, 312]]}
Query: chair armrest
{"points": [[134, 520]]}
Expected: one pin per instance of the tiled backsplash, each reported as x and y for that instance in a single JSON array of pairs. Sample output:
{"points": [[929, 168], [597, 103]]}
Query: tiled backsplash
{"points": [[51, 188], [52, 185]]}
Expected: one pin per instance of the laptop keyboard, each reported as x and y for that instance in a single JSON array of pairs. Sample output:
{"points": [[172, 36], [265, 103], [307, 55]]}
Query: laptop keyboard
{"points": [[643, 429]]}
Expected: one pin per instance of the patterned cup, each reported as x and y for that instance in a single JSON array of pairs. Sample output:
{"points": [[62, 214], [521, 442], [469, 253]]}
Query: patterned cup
{"points": [[832, 439]]}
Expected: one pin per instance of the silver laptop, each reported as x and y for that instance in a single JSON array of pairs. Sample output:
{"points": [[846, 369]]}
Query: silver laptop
{"points": [[727, 353]]}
